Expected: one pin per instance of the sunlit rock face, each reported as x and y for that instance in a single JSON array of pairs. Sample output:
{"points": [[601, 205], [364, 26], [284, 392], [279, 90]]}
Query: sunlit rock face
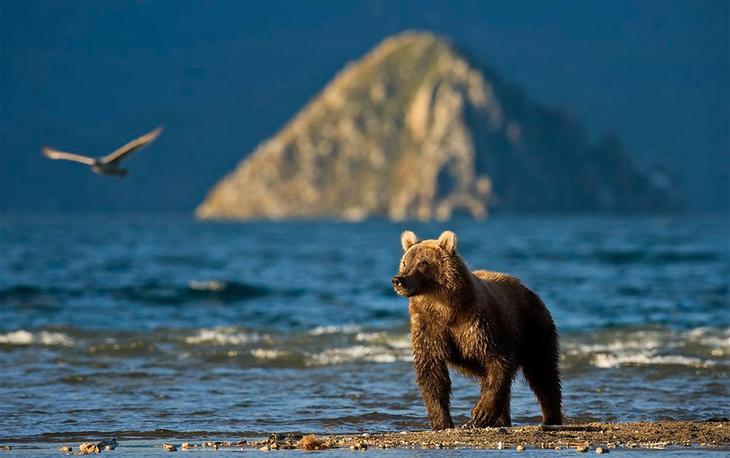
{"points": [[412, 130]]}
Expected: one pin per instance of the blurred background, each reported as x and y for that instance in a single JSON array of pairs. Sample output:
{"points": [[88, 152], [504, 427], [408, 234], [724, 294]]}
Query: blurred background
{"points": [[583, 147], [224, 77]]}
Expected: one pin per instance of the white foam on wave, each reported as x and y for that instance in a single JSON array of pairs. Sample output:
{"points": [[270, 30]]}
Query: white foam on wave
{"points": [[370, 336], [225, 336], [616, 347], [607, 360], [268, 354], [718, 340], [23, 337], [334, 329], [375, 354], [400, 341], [699, 348], [207, 285], [375, 347]]}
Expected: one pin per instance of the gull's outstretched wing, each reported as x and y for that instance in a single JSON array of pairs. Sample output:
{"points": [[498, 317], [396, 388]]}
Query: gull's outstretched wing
{"points": [[51, 153], [132, 146]]}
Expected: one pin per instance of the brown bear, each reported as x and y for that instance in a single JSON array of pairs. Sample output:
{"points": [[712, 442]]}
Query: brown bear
{"points": [[483, 324]]}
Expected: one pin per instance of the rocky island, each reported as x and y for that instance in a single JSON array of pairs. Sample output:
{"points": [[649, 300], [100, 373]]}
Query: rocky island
{"points": [[415, 130]]}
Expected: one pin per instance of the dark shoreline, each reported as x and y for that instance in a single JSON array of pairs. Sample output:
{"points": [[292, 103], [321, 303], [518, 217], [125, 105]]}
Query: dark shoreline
{"points": [[582, 437]]}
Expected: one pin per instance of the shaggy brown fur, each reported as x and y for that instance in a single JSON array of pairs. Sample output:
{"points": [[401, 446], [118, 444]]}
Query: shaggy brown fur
{"points": [[483, 324]]}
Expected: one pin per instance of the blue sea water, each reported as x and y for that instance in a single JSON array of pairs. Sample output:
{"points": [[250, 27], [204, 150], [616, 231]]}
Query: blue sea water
{"points": [[128, 325]]}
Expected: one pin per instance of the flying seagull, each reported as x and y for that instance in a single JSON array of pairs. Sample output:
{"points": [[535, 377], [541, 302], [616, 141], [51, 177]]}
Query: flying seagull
{"points": [[109, 164]]}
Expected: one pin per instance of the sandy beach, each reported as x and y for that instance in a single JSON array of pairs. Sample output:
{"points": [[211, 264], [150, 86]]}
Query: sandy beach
{"points": [[587, 437]]}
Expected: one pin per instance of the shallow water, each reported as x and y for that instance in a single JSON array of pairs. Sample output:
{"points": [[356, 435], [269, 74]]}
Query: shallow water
{"points": [[130, 324]]}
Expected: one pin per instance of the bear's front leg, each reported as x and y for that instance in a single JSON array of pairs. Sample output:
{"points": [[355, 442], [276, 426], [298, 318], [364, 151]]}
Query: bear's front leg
{"points": [[505, 419], [433, 380], [492, 408]]}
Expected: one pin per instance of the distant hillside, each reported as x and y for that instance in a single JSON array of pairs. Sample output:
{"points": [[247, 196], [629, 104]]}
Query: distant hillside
{"points": [[413, 131]]}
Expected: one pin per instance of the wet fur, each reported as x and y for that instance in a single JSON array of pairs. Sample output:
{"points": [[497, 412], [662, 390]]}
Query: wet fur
{"points": [[484, 324]]}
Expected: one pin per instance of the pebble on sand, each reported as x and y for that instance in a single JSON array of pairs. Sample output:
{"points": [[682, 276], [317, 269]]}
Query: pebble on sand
{"points": [[311, 442], [87, 448]]}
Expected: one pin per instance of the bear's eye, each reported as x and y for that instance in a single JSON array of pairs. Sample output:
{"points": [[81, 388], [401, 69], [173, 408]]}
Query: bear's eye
{"points": [[422, 264]]}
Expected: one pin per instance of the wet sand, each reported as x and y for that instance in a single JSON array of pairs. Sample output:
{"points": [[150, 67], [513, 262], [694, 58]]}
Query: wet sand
{"points": [[588, 437]]}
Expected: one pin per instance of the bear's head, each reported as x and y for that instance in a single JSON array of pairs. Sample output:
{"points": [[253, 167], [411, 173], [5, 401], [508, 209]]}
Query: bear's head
{"points": [[428, 266]]}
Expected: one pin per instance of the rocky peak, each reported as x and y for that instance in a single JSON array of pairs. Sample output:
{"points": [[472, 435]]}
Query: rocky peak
{"points": [[413, 131]]}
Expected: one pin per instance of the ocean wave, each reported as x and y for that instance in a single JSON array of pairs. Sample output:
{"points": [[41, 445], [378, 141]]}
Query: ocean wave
{"points": [[696, 348], [398, 341], [659, 256], [20, 290], [25, 295], [703, 347], [225, 336], [718, 340], [334, 329], [195, 290], [128, 348], [320, 346], [640, 341], [22, 337], [608, 360], [227, 290], [356, 353], [153, 292], [323, 346], [207, 285], [270, 354], [700, 348], [679, 255]]}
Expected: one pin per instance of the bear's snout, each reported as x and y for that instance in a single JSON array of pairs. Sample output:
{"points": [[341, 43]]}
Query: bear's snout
{"points": [[403, 286]]}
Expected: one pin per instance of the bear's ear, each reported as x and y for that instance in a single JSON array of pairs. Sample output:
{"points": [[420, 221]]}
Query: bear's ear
{"points": [[447, 241], [408, 239]]}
